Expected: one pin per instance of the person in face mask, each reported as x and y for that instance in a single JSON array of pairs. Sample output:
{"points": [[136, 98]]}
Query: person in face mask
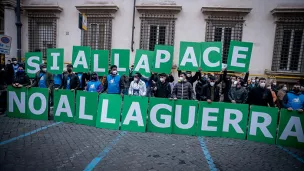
{"points": [[94, 85], [252, 84], [260, 95], [183, 89], [70, 80], [274, 96], [137, 86], [43, 79], [21, 79], [229, 82], [281, 93], [162, 88], [191, 79], [11, 70], [294, 100], [199, 86], [237, 93], [274, 86], [210, 91], [114, 83]]}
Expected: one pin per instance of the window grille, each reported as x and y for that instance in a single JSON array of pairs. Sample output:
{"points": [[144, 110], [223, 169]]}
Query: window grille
{"points": [[42, 32], [99, 32], [224, 29], [288, 53], [156, 29]]}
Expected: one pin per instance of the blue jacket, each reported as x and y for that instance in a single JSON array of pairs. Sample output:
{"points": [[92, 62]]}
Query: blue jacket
{"points": [[94, 86], [57, 79], [293, 100]]}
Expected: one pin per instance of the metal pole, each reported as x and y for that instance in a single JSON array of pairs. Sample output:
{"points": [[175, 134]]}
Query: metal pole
{"points": [[133, 27], [19, 25]]}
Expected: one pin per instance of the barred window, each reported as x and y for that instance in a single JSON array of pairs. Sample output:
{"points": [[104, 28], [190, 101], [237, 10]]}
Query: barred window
{"points": [[156, 29], [42, 29], [224, 29], [288, 54], [99, 32]]}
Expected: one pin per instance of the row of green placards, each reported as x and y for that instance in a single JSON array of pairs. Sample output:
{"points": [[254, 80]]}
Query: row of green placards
{"points": [[142, 114], [192, 55]]}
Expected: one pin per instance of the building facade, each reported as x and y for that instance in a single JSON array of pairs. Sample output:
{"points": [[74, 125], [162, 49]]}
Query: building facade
{"points": [[275, 27]]}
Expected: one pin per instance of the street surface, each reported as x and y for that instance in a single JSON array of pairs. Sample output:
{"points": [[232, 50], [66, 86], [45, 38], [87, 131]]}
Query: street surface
{"points": [[47, 145]]}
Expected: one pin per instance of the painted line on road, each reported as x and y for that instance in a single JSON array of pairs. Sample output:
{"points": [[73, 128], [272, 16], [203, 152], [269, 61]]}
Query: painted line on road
{"points": [[207, 154], [104, 152], [29, 133], [291, 153]]}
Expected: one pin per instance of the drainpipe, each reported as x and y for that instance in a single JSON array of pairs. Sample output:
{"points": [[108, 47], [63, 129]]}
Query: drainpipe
{"points": [[133, 27], [19, 25]]}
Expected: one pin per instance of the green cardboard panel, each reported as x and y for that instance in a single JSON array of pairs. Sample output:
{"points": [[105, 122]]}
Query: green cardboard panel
{"points": [[81, 58], [38, 102], [134, 113], [17, 102], [64, 105], [262, 124], [185, 119], [109, 109], [55, 60], [291, 129], [161, 113], [86, 107], [189, 56]]}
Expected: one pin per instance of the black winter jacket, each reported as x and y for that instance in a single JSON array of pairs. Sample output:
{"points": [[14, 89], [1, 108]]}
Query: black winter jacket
{"points": [[74, 81], [206, 93], [260, 96]]}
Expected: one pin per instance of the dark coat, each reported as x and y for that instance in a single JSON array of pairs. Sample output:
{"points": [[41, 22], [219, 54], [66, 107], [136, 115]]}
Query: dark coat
{"points": [[260, 96], [239, 95], [206, 93], [199, 87], [49, 80], [228, 83], [22, 78], [74, 81], [163, 90]]}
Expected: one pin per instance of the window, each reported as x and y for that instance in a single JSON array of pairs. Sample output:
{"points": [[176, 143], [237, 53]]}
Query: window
{"points": [[42, 32], [99, 32], [157, 29], [288, 52], [224, 29]]}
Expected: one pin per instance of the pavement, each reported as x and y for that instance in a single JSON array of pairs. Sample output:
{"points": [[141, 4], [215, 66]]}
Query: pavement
{"points": [[47, 145]]}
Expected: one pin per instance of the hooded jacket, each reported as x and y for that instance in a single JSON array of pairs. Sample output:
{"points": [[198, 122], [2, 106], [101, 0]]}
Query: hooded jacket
{"points": [[183, 90], [138, 88], [22, 78], [239, 95]]}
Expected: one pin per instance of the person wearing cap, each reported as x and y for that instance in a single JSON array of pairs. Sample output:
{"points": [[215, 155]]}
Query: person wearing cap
{"points": [[70, 80], [114, 83], [137, 86], [294, 100], [211, 91], [21, 79], [260, 95], [237, 93], [43, 79], [94, 85], [183, 89], [162, 88]]}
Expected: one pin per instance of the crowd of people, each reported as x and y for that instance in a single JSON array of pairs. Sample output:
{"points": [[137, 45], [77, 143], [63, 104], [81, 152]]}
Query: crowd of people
{"points": [[208, 87]]}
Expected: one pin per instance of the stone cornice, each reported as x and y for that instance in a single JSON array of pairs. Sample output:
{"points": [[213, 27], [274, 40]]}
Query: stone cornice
{"points": [[288, 10], [158, 8], [97, 8], [53, 8], [243, 11]]}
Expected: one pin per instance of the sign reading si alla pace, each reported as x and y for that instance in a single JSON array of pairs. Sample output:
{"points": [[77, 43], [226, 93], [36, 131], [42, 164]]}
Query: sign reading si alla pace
{"points": [[187, 117], [192, 55]]}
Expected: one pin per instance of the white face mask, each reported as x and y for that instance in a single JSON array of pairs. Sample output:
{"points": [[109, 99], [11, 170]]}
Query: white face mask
{"points": [[274, 83], [262, 85], [284, 88], [44, 69], [269, 88], [212, 84], [253, 81], [181, 78], [135, 79], [162, 80], [188, 75], [14, 62], [114, 72]]}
